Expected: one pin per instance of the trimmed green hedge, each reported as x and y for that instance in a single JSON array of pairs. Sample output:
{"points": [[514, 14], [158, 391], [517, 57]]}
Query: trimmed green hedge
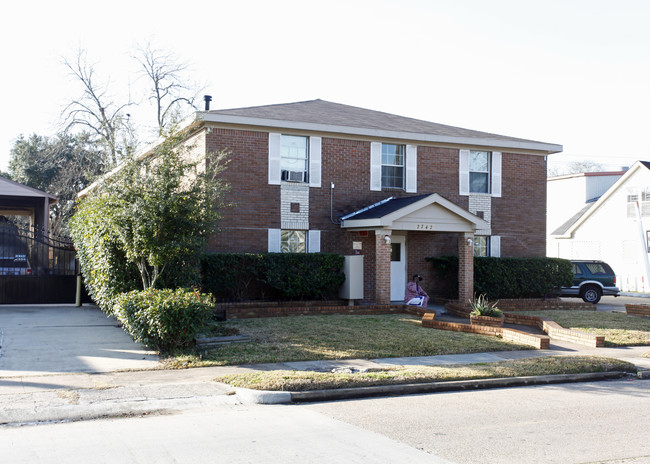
{"points": [[507, 277], [164, 319], [287, 276]]}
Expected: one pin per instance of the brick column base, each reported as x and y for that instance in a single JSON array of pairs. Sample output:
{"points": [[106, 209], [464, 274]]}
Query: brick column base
{"points": [[465, 268], [382, 267]]}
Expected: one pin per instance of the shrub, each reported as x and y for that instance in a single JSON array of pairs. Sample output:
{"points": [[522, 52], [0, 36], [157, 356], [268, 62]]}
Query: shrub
{"points": [[499, 278], [103, 263], [283, 275], [304, 275], [234, 276], [164, 319]]}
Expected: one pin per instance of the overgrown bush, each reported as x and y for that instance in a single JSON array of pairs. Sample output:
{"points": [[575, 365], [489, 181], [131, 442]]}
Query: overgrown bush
{"points": [[536, 277], [288, 276], [164, 319], [106, 271]]}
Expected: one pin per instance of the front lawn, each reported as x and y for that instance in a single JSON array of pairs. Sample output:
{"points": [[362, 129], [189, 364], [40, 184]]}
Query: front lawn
{"points": [[619, 329], [306, 338]]}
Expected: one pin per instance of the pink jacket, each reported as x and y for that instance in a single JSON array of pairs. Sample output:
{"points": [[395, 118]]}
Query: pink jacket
{"points": [[413, 290]]}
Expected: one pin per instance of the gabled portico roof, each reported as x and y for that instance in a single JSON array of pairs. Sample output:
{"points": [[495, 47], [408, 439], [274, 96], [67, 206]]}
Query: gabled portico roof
{"points": [[430, 212]]}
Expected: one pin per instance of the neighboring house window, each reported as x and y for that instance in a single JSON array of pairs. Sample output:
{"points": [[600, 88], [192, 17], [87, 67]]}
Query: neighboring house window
{"points": [[392, 165], [644, 204], [481, 245], [479, 171], [294, 158], [293, 241]]}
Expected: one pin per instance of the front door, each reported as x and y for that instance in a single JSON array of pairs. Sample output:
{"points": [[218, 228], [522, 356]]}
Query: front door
{"points": [[398, 268]]}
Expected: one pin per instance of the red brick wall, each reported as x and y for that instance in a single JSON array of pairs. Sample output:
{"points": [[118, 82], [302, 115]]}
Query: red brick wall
{"points": [[519, 216], [243, 227]]}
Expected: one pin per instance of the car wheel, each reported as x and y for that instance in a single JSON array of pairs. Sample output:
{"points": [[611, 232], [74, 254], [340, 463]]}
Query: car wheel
{"points": [[591, 294]]}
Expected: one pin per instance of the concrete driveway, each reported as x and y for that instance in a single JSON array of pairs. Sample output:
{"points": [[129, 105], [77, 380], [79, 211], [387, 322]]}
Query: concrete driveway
{"points": [[54, 339]]}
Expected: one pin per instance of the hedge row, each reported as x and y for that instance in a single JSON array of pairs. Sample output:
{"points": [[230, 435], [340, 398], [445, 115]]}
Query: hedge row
{"points": [[506, 277], [286, 276]]}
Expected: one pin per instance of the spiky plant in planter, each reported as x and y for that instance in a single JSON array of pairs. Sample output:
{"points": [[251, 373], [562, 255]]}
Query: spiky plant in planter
{"points": [[481, 307], [485, 313]]}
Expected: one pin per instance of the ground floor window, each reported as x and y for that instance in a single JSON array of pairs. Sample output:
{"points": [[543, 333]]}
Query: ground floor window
{"points": [[293, 241], [481, 245]]}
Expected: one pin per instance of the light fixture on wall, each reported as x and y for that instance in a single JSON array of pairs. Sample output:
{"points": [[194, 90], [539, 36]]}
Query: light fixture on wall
{"points": [[469, 241], [387, 239]]}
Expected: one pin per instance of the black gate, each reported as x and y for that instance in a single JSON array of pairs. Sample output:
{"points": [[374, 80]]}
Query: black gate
{"points": [[36, 267]]}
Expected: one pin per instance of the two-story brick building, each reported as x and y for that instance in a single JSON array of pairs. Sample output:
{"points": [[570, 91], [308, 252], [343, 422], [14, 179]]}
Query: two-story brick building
{"points": [[317, 176]]}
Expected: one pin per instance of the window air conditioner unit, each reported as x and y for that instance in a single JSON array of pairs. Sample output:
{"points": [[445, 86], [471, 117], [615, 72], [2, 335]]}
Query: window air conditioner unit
{"points": [[293, 176]]}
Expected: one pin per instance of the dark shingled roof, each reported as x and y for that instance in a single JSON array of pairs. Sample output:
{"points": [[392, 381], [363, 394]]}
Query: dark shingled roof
{"points": [[385, 208], [567, 225], [336, 114]]}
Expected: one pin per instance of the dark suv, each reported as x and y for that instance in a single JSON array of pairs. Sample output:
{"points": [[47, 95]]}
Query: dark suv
{"points": [[591, 280]]}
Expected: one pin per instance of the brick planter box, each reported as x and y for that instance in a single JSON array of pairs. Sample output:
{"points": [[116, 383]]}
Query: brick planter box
{"points": [[637, 310], [486, 320]]}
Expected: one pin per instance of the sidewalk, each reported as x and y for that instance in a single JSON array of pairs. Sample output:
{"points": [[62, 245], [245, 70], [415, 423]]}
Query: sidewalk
{"points": [[66, 397]]}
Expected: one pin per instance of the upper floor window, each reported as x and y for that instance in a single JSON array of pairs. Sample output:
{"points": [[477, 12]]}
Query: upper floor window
{"points": [[479, 171], [294, 158], [392, 165]]}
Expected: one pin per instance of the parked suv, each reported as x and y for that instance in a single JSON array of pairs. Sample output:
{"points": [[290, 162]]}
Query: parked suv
{"points": [[591, 280]]}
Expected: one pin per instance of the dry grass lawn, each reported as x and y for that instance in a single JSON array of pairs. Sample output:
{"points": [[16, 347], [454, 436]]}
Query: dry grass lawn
{"points": [[306, 338]]}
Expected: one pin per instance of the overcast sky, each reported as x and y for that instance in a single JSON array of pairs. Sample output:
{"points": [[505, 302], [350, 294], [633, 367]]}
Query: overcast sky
{"points": [[571, 72]]}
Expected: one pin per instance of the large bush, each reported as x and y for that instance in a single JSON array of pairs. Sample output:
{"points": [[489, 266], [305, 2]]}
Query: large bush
{"points": [[106, 271], [289, 276], [508, 277], [164, 319]]}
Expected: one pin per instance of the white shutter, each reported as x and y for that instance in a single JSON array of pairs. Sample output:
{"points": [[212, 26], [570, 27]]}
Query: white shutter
{"points": [[375, 166], [463, 172], [314, 161], [411, 168], [496, 173], [495, 246], [274, 158], [313, 241], [274, 241]]}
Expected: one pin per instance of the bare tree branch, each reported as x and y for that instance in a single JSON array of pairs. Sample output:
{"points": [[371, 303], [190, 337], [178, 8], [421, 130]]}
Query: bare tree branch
{"points": [[169, 93], [95, 110]]}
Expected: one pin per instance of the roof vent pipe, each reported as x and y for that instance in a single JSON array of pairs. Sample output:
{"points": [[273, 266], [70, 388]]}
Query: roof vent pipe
{"points": [[207, 99]]}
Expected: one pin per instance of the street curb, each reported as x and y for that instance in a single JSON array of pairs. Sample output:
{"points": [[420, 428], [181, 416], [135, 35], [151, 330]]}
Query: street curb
{"points": [[274, 397]]}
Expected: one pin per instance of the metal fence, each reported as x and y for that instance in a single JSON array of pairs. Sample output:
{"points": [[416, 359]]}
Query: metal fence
{"points": [[36, 267]]}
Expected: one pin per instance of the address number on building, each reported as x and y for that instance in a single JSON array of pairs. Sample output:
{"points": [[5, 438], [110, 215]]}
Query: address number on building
{"points": [[424, 227]]}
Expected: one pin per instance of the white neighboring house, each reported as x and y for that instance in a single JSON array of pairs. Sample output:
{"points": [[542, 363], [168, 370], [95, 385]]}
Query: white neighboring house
{"points": [[612, 224]]}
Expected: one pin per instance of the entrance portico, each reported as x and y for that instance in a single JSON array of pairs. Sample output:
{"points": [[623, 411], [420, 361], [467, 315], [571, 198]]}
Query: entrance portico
{"points": [[391, 220]]}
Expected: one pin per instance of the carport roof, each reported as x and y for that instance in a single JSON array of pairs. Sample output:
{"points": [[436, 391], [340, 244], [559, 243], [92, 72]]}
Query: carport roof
{"points": [[10, 188]]}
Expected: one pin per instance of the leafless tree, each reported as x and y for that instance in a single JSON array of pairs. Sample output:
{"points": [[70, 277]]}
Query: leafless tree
{"points": [[96, 112], [169, 91], [575, 167]]}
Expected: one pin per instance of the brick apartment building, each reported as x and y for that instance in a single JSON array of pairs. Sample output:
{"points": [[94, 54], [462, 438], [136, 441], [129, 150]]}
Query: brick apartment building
{"points": [[317, 176]]}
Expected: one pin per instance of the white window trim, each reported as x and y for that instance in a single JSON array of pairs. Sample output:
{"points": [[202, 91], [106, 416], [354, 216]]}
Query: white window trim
{"points": [[274, 237], [315, 149], [411, 168], [275, 171], [375, 166], [495, 246], [313, 241]]}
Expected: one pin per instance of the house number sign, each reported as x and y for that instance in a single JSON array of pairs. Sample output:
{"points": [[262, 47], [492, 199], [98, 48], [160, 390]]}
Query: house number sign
{"points": [[424, 227]]}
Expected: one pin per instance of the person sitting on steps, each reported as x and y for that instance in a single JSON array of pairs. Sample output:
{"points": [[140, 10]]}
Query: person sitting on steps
{"points": [[415, 295]]}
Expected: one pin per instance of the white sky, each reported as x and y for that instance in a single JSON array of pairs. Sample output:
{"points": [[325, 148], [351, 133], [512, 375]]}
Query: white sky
{"points": [[572, 72]]}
